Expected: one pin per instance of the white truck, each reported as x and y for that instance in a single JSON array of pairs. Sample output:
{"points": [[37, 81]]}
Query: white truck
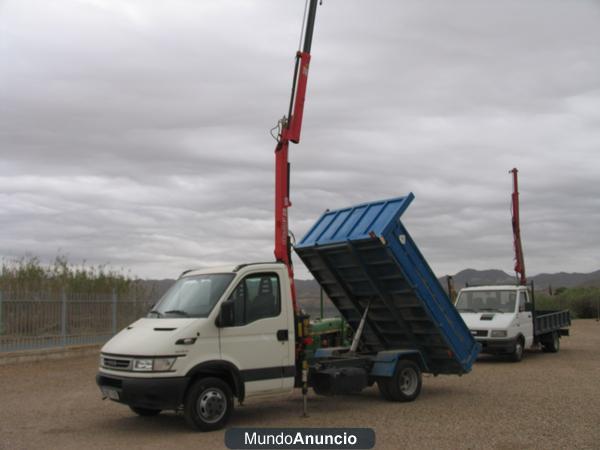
{"points": [[233, 332], [190, 352], [503, 320]]}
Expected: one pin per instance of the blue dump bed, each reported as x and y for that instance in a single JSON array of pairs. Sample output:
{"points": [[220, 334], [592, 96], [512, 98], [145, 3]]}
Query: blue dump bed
{"points": [[364, 254]]}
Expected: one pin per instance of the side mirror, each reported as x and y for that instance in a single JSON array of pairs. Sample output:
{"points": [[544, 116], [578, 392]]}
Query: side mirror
{"points": [[529, 307], [226, 314]]}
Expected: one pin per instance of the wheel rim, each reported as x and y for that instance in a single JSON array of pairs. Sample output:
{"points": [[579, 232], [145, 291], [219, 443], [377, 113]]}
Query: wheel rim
{"points": [[211, 405], [409, 380], [519, 349]]}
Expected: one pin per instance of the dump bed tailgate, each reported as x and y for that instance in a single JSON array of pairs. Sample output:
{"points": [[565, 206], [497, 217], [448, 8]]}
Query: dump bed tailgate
{"points": [[364, 254]]}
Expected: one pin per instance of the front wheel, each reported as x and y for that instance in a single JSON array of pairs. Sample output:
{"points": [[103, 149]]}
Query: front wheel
{"points": [[208, 404], [517, 354], [404, 386]]}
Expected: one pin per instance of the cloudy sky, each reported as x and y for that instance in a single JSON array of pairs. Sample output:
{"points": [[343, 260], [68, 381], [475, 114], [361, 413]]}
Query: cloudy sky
{"points": [[135, 133]]}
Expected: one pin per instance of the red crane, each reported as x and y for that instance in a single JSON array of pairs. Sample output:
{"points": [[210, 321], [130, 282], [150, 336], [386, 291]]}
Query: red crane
{"points": [[519, 262], [289, 131]]}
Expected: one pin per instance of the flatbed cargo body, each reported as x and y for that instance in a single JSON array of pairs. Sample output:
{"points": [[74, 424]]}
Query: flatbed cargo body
{"points": [[364, 256], [550, 321]]}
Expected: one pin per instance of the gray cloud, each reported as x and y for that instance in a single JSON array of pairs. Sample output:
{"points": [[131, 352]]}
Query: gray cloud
{"points": [[137, 134]]}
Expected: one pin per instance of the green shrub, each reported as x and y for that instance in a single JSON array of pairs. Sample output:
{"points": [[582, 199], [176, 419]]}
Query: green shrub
{"points": [[28, 275], [581, 301], [549, 302]]}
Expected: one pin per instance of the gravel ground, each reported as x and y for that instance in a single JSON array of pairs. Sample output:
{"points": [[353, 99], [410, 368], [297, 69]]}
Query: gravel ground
{"points": [[546, 401]]}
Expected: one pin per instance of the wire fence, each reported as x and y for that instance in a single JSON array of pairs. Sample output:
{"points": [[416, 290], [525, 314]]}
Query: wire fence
{"points": [[41, 320]]}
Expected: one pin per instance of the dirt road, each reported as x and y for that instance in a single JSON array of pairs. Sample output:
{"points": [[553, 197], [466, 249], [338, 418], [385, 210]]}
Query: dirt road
{"points": [[546, 401]]}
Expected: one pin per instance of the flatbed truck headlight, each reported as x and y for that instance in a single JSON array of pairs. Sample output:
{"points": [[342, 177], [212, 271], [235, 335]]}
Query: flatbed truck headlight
{"points": [[153, 365], [498, 333]]}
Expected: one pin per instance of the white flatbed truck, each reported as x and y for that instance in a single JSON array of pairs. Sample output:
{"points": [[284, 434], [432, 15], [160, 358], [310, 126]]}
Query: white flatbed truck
{"points": [[503, 320]]}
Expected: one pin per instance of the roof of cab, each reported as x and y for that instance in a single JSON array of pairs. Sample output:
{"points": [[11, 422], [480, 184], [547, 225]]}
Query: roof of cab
{"points": [[491, 287], [228, 269]]}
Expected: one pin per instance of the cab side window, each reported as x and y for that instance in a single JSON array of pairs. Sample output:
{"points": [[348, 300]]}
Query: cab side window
{"points": [[256, 297]]}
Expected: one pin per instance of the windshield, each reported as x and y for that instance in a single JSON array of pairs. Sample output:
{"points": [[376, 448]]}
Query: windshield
{"points": [[486, 301], [192, 296]]}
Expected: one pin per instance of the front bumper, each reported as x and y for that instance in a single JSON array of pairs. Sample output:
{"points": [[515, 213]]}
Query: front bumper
{"points": [[497, 346], [151, 393]]}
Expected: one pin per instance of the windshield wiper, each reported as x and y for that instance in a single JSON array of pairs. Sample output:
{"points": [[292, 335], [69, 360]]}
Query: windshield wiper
{"points": [[466, 309], [179, 312], [154, 311]]}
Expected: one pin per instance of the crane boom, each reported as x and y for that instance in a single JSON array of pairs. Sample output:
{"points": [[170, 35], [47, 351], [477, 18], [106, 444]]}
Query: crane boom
{"points": [[519, 261], [290, 129]]}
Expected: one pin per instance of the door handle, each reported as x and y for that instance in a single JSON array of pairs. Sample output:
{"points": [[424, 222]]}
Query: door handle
{"points": [[282, 335]]}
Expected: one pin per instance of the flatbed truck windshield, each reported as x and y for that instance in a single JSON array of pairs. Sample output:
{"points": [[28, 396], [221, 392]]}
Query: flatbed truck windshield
{"points": [[486, 301]]}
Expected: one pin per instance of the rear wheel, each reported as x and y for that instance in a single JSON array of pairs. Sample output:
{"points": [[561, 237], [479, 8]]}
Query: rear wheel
{"points": [[320, 391], [404, 386], [145, 412], [517, 354], [208, 404], [552, 346], [383, 389]]}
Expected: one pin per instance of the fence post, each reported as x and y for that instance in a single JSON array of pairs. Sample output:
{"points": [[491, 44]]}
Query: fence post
{"points": [[114, 311], [1, 321], [63, 317]]}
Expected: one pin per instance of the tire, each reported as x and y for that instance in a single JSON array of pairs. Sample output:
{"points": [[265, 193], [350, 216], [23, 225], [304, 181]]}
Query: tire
{"points": [[405, 385], [517, 354], [320, 391], [383, 390], [208, 404], [554, 345], [145, 412]]}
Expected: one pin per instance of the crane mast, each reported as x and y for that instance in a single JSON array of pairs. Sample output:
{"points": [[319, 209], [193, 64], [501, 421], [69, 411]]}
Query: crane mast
{"points": [[519, 261], [289, 131]]}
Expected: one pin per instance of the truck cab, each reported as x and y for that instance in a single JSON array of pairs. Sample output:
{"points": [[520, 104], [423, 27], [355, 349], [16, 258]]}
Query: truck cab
{"points": [[499, 317], [216, 334]]}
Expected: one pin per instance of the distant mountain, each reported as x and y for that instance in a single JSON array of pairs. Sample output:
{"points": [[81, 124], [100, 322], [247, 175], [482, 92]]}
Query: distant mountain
{"points": [[542, 281], [479, 277], [564, 279]]}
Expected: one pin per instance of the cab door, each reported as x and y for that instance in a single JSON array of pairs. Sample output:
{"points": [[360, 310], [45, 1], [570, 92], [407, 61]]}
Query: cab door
{"points": [[258, 342], [524, 318]]}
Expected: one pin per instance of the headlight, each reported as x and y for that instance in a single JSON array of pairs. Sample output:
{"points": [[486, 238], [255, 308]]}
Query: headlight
{"points": [[153, 365], [142, 365], [498, 333]]}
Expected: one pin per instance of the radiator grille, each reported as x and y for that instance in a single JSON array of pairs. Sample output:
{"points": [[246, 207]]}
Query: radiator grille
{"points": [[479, 333], [113, 363]]}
